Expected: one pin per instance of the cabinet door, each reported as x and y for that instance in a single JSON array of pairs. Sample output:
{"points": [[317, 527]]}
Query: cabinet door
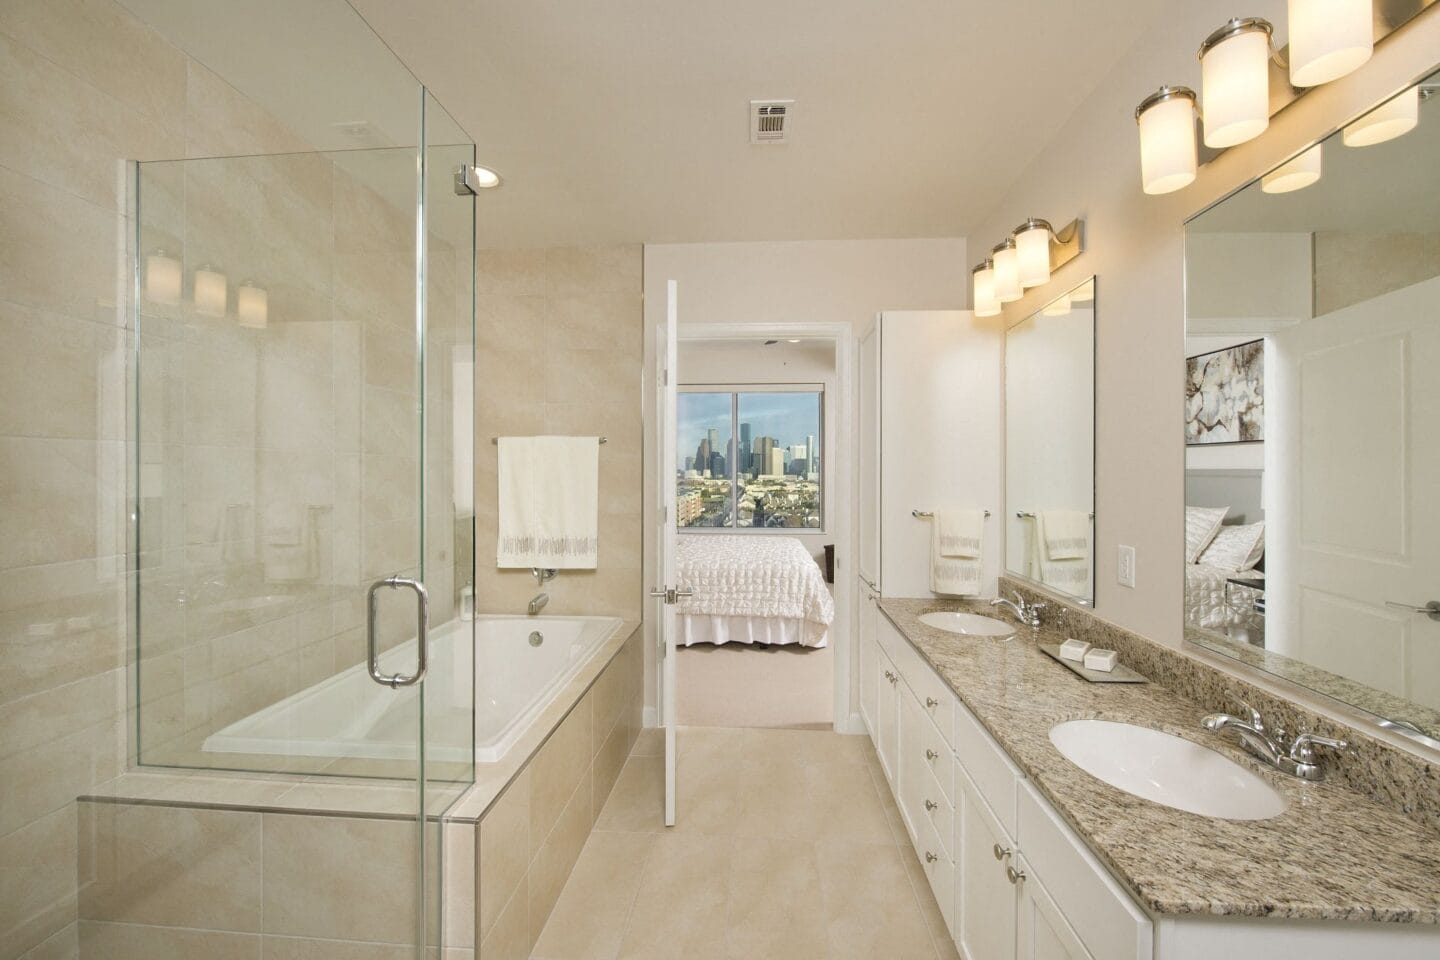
{"points": [[1043, 932], [985, 898], [869, 658], [887, 718], [867, 455]]}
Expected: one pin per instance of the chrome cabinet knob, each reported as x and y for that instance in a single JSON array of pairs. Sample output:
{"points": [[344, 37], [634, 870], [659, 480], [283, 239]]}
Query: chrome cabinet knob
{"points": [[930, 857], [1000, 852], [1013, 875], [931, 702], [931, 805], [931, 755]]}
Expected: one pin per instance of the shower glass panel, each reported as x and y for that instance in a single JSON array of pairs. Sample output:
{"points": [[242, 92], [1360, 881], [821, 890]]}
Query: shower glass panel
{"points": [[302, 434]]}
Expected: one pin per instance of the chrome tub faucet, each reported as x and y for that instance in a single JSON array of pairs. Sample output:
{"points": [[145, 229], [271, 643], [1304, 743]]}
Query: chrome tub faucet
{"points": [[1295, 757], [537, 603]]}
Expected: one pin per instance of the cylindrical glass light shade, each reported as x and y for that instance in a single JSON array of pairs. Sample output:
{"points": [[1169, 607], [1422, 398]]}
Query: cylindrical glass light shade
{"points": [[252, 306], [1032, 252], [1007, 273], [1394, 117], [1083, 293], [1295, 174], [1167, 139], [211, 295], [162, 278], [1328, 39], [1235, 82], [983, 284], [1056, 308]]}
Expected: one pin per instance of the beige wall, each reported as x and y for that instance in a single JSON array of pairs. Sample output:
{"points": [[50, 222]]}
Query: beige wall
{"points": [[559, 351], [844, 282], [1134, 245]]}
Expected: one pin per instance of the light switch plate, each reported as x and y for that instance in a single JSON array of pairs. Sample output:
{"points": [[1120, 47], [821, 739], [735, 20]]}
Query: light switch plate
{"points": [[1125, 566]]}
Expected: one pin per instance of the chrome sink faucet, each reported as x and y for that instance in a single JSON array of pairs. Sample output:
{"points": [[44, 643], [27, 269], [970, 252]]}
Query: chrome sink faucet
{"points": [[1024, 611], [1295, 757]]}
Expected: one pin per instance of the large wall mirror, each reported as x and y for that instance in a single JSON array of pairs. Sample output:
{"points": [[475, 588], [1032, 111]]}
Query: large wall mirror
{"points": [[1312, 418], [1050, 445]]}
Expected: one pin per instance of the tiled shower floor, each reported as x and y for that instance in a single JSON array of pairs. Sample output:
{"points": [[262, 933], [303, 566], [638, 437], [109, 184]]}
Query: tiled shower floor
{"points": [[787, 846]]}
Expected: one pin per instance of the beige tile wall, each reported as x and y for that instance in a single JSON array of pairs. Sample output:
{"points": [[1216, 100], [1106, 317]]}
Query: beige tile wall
{"points": [[532, 835], [560, 350]]}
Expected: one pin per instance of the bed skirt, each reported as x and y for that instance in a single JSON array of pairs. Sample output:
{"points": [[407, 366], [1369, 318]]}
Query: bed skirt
{"points": [[776, 631]]}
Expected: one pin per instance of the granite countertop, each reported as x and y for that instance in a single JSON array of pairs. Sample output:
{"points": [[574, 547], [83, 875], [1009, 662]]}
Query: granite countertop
{"points": [[1333, 854]]}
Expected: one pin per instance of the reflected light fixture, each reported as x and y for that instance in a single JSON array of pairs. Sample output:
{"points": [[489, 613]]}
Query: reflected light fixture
{"points": [[1007, 272], [1083, 293], [1166, 120], [211, 295], [1056, 308], [1296, 173], [252, 306], [1032, 252], [1328, 39], [1395, 117], [983, 289], [1235, 82], [162, 278]]}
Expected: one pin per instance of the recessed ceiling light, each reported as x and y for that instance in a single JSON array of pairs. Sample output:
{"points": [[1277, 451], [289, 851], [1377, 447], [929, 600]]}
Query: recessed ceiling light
{"points": [[485, 178]]}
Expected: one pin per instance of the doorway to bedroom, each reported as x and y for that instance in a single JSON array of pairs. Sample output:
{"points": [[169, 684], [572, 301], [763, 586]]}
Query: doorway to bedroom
{"points": [[759, 517]]}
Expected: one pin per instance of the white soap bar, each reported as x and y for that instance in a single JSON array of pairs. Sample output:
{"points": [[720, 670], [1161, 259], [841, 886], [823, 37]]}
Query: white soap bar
{"points": [[1102, 660], [1074, 649]]}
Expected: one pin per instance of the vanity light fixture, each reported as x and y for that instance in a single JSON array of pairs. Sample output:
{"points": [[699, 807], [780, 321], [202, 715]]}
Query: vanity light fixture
{"points": [[1393, 118], [1328, 39], [1166, 120], [1007, 272], [1294, 174], [252, 306], [1032, 251], [162, 278], [982, 296], [211, 294], [1235, 81]]}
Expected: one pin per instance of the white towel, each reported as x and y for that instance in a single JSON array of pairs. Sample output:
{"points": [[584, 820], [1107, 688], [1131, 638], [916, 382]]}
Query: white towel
{"points": [[1070, 573], [956, 539], [549, 502], [1064, 534], [962, 532]]}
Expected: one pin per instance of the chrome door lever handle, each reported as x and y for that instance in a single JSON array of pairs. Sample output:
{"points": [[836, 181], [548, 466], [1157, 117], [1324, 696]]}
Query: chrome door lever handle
{"points": [[1430, 609]]}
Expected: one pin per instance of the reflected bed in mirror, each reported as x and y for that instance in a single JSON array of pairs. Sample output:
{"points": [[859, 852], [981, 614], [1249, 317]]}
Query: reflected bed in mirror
{"points": [[1312, 420], [1050, 445]]}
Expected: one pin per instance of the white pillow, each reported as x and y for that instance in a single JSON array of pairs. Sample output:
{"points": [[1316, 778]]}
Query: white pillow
{"points": [[1201, 524], [1237, 547]]}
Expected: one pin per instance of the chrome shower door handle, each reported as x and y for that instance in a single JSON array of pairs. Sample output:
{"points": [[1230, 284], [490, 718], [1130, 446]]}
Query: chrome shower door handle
{"points": [[422, 626]]}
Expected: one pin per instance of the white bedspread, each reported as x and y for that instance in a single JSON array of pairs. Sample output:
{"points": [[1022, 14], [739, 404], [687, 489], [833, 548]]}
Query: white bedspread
{"points": [[755, 576], [1205, 604]]}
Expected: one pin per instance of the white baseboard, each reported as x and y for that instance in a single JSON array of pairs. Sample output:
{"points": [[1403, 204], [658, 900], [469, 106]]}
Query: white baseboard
{"points": [[854, 725], [649, 718]]}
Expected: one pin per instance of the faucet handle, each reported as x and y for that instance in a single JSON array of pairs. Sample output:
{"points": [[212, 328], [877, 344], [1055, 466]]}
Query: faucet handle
{"points": [[1302, 748], [1256, 721]]}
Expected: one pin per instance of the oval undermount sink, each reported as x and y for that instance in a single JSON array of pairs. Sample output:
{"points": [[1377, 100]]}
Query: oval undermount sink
{"points": [[968, 624], [1166, 769]]}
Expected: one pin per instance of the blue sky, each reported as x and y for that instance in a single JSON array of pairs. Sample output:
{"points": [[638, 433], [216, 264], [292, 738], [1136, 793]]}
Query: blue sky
{"points": [[789, 417]]}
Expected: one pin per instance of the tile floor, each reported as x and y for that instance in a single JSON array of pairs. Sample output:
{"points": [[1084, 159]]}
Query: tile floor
{"points": [[787, 845]]}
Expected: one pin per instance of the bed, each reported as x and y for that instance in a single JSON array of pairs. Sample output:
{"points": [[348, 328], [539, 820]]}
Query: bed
{"points": [[755, 589], [1208, 606]]}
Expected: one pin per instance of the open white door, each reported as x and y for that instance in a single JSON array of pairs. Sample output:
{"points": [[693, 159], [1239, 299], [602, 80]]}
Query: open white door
{"points": [[667, 593]]}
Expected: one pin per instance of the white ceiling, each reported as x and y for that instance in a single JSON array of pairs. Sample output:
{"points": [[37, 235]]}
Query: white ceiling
{"points": [[627, 120]]}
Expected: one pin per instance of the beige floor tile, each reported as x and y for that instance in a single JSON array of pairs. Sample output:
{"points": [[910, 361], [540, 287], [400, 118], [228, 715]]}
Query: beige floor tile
{"points": [[680, 910], [870, 908], [637, 801], [773, 891], [589, 921], [650, 743]]}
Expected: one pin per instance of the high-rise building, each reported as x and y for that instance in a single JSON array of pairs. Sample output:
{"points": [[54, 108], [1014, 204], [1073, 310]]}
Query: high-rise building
{"points": [[777, 462], [745, 439]]}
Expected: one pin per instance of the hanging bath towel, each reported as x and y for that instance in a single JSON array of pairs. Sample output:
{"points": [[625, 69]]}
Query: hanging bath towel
{"points": [[956, 538], [549, 502]]}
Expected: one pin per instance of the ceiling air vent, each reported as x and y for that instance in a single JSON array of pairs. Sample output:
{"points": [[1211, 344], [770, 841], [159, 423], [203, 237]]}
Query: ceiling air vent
{"points": [[771, 120]]}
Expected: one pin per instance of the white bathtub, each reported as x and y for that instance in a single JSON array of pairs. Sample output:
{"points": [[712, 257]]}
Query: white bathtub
{"points": [[349, 715]]}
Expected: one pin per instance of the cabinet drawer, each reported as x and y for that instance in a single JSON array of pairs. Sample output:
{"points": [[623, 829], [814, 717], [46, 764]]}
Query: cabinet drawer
{"points": [[1099, 910], [933, 693], [921, 797], [934, 754], [988, 765], [940, 870]]}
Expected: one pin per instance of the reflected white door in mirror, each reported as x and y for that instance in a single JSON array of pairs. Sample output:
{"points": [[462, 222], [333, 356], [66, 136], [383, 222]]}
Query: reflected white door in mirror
{"points": [[1313, 427]]}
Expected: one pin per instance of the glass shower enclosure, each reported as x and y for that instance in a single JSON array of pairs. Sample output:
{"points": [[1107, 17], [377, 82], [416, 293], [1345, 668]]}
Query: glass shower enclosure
{"points": [[300, 433]]}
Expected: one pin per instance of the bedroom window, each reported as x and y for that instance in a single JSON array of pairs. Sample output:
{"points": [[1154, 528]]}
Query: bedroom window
{"points": [[749, 458]]}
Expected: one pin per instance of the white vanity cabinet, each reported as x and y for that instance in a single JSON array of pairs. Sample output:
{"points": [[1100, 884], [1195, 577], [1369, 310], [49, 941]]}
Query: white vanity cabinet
{"points": [[865, 623], [928, 383], [1012, 881]]}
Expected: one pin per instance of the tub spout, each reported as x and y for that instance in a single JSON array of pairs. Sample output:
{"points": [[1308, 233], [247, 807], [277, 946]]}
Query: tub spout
{"points": [[537, 603]]}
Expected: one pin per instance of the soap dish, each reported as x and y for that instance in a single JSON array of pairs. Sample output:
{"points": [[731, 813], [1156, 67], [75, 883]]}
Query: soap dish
{"points": [[1121, 673]]}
